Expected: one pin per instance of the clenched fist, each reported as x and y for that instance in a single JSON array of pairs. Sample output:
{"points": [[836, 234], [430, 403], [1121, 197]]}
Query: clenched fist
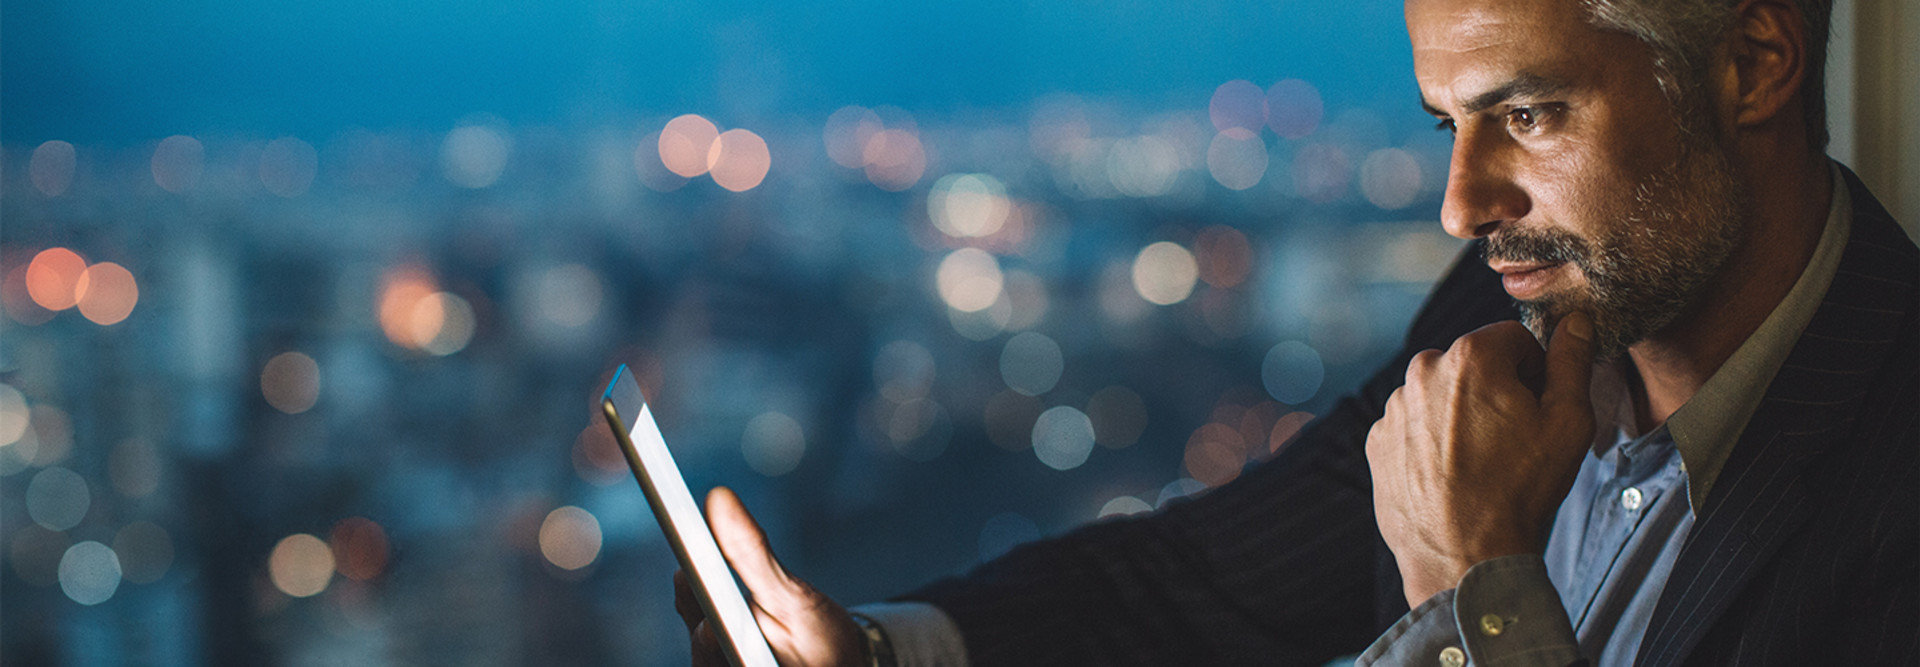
{"points": [[1478, 449]]}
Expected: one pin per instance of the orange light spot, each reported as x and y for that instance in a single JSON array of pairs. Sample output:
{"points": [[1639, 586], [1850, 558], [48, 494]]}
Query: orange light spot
{"points": [[1225, 256], [1215, 454], [106, 293], [405, 290], [359, 548], [51, 278], [895, 159]]}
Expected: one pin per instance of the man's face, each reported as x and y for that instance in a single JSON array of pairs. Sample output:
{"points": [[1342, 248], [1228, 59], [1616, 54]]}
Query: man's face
{"points": [[1570, 162]]}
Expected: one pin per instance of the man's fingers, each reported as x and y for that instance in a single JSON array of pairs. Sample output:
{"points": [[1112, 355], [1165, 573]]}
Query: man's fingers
{"points": [[684, 602], [1569, 368], [746, 549]]}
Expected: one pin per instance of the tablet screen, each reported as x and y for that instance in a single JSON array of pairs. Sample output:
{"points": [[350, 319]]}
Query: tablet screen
{"points": [[679, 516]]}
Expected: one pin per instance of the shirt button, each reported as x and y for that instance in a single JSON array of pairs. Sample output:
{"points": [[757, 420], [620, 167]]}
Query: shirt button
{"points": [[1491, 625], [1630, 498], [1452, 656]]}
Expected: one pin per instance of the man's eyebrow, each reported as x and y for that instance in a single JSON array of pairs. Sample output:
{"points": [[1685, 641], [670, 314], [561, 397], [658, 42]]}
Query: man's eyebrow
{"points": [[1525, 84]]}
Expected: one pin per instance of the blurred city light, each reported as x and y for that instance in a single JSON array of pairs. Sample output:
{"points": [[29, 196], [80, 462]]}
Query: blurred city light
{"points": [[686, 145], [13, 415], [290, 381], [1031, 363], [1390, 178], [1294, 108], [106, 293], [301, 565], [738, 160], [178, 162], [894, 159], [1164, 273], [968, 205], [1063, 437], [1124, 506], [773, 444], [360, 548], [1238, 104], [570, 538], [52, 277], [1292, 372], [287, 166], [52, 166], [969, 279], [1237, 158], [473, 156], [89, 573], [58, 499]]}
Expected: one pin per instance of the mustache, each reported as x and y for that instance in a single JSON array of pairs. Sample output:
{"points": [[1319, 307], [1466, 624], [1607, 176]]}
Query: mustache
{"points": [[1529, 246]]}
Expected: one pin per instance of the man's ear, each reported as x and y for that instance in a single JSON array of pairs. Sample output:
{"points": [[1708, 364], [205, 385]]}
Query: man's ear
{"points": [[1767, 61]]}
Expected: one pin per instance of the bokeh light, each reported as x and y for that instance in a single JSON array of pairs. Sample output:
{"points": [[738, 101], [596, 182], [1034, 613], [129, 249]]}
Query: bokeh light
{"points": [[968, 205], [1321, 173], [89, 573], [106, 293], [570, 538], [739, 160], [1292, 372], [52, 276], [52, 434], [1124, 506], [1026, 298], [1063, 437], [1215, 453], [301, 565], [1164, 273], [846, 134], [456, 320], [1223, 256], [894, 159], [569, 295], [51, 167], [290, 381], [360, 548], [13, 415], [773, 444], [58, 499], [1118, 416], [177, 163], [686, 143], [1237, 158], [401, 317], [474, 156], [1390, 178], [287, 166], [969, 279], [918, 429], [1145, 166], [145, 551], [1238, 104], [1031, 363], [18, 301], [597, 458], [1294, 108], [1285, 429]]}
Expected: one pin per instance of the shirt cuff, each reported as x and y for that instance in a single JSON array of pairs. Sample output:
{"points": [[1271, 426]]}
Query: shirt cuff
{"points": [[1505, 613], [921, 634], [1510, 615]]}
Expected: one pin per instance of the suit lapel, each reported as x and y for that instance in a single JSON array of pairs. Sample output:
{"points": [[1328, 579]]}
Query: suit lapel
{"points": [[1759, 499]]}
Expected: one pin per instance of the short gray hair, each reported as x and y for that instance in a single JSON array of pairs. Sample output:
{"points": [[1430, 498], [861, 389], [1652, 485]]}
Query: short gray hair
{"points": [[1683, 33]]}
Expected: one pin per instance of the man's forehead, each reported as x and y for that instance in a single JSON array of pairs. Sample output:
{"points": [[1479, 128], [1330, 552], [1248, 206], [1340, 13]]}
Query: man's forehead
{"points": [[1467, 47]]}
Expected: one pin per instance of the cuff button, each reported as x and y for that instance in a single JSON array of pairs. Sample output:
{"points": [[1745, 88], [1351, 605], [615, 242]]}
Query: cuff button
{"points": [[1452, 656], [1491, 625]]}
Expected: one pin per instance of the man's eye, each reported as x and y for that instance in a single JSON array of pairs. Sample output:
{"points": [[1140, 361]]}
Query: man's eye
{"points": [[1446, 125]]}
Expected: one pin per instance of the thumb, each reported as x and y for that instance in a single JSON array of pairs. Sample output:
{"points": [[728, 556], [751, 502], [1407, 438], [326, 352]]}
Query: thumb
{"points": [[1569, 369], [747, 551]]}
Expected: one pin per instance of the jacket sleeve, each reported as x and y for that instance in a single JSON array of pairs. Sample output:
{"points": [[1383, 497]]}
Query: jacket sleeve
{"points": [[1283, 566]]}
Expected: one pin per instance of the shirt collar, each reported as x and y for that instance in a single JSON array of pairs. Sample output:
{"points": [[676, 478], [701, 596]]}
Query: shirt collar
{"points": [[1707, 426]]}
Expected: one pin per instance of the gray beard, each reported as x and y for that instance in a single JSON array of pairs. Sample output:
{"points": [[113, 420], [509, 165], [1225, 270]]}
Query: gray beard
{"points": [[1673, 238]]}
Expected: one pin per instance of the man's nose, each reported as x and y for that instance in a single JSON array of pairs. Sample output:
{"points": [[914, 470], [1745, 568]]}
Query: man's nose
{"points": [[1481, 192]]}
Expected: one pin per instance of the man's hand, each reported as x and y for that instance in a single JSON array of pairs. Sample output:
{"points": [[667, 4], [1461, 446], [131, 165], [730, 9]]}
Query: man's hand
{"points": [[1477, 450], [804, 627]]}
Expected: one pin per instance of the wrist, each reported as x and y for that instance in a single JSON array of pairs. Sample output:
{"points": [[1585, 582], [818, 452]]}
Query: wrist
{"points": [[875, 648]]}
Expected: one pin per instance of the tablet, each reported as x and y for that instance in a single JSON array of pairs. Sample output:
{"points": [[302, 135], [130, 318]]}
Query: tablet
{"points": [[712, 582]]}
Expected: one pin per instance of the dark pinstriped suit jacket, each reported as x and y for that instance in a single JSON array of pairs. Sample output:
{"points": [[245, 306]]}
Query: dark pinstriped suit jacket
{"points": [[1807, 551]]}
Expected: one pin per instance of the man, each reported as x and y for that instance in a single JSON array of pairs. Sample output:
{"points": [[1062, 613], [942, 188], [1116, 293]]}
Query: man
{"points": [[1715, 459]]}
